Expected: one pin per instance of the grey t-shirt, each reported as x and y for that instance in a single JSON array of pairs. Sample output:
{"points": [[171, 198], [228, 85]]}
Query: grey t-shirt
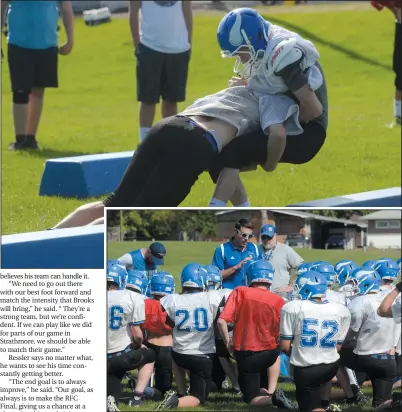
{"points": [[283, 258]]}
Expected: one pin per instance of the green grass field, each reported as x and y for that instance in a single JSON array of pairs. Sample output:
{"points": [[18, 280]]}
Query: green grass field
{"points": [[95, 111], [181, 253]]}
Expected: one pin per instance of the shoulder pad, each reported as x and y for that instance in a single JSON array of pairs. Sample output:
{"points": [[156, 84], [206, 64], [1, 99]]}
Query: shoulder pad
{"points": [[284, 54]]}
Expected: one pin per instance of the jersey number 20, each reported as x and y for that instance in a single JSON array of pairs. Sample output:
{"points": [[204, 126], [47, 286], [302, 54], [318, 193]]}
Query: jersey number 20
{"points": [[309, 337], [197, 319]]}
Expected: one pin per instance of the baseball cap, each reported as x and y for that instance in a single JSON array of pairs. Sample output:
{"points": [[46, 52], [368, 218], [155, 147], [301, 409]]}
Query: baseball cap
{"points": [[268, 230], [158, 253]]}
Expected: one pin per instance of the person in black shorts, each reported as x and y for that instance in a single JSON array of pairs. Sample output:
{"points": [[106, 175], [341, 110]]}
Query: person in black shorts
{"points": [[163, 51], [33, 59]]}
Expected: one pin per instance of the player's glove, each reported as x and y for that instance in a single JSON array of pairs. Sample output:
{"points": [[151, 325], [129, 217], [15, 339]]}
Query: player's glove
{"points": [[399, 286]]}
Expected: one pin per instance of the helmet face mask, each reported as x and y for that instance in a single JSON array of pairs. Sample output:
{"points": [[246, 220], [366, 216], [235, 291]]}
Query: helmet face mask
{"points": [[213, 279], [310, 285]]}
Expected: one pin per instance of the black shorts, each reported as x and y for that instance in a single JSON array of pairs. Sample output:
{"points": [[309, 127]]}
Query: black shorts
{"points": [[398, 359], [31, 68], [251, 149], [161, 75], [163, 366], [397, 57], [308, 381], [165, 165], [200, 368], [221, 349], [252, 367], [381, 369]]}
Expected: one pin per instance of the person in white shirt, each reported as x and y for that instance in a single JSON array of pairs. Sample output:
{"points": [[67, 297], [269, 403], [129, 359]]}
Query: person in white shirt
{"points": [[388, 270], [192, 316], [162, 42], [312, 331], [375, 337], [126, 312]]}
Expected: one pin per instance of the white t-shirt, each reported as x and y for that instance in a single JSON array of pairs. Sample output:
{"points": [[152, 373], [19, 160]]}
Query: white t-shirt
{"points": [[396, 314], [335, 297], [125, 309], [375, 334], [193, 315], [315, 329], [163, 27]]}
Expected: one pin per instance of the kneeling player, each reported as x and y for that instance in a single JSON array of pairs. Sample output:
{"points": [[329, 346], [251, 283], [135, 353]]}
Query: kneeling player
{"points": [[254, 311], [192, 314], [312, 332]]}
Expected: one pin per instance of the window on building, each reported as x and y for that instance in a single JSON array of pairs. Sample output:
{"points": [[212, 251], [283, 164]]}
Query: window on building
{"points": [[387, 224]]}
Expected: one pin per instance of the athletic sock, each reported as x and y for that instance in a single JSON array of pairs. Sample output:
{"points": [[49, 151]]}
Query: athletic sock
{"points": [[245, 204], [216, 203], [397, 108], [143, 132]]}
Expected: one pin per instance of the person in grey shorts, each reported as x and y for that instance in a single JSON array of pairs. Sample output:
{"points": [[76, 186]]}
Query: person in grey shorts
{"points": [[162, 42], [282, 257]]}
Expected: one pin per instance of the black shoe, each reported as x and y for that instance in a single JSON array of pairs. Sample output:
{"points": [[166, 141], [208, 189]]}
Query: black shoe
{"points": [[171, 401], [18, 143], [30, 143], [280, 400], [358, 394]]}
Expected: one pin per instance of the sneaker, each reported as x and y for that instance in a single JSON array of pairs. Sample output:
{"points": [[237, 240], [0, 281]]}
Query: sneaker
{"points": [[333, 407], [226, 383], [111, 404], [170, 402], [359, 395], [280, 400], [136, 401], [18, 143], [30, 143], [397, 400]]}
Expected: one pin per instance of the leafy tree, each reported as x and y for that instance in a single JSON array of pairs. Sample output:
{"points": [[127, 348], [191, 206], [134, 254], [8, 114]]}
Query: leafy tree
{"points": [[340, 214]]}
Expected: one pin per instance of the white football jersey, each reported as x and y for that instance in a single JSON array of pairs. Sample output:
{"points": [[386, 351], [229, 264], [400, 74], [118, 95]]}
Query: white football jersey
{"points": [[194, 315], [283, 45], [375, 334], [125, 309], [315, 329], [335, 297], [396, 314]]}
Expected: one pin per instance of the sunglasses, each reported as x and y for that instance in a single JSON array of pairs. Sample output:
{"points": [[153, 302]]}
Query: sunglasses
{"points": [[244, 235], [266, 237]]}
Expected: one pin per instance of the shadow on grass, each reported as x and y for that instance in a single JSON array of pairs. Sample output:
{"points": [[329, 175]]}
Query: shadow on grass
{"points": [[316, 39], [54, 153]]}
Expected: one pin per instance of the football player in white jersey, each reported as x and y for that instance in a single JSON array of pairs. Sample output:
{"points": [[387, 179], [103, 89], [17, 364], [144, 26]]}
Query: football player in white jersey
{"points": [[192, 313], [126, 312], [312, 332], [328, 271], [223, 366], [391, 308], [388, 270], [375, 337], [274, 60]]}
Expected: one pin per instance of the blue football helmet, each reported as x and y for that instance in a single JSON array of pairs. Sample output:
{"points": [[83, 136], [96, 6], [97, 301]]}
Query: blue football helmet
{"points": [[325, 269], [369, 264], [162, 284], [193, 276], [365, 281], [116, 272], [243, 31], [309, 285], [304, 267], [213, 280], [345, 266], [137, 280], [260, 271], [387, 269]]}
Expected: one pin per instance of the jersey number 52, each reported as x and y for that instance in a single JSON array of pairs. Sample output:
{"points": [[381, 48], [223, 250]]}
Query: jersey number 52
{"points": [[309, 337], [188, 321]]}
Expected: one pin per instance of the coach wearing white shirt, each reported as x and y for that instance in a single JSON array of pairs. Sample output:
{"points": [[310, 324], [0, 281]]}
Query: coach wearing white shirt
{"points": [[282, 257], [162, 41]]}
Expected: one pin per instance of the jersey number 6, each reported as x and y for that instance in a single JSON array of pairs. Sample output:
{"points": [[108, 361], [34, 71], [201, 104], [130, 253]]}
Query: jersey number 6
{"points": [[309, 337], [115, 318], [198, 321]]}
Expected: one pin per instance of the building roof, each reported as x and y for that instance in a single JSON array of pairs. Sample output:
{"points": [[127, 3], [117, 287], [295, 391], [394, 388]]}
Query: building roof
{"points": [[306, 215], [389, 214]]}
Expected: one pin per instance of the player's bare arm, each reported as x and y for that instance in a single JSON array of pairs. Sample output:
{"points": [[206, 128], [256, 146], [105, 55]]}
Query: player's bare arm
{"points": [[310, 106], [134, 8], [275, 147], [137, 336], [384, 310]]}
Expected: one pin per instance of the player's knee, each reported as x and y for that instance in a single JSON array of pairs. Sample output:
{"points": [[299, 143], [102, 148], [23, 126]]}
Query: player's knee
{"points": [[21, 96], [148, 355]]}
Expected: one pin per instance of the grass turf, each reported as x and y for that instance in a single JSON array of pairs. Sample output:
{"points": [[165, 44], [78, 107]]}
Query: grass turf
{"points": [[95, 111], [181, 253]]}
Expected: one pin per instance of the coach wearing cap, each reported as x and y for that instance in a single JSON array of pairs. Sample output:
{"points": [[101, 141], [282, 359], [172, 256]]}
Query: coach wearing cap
{"points": [[282, 257], [233, 257], [145, 260]]}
